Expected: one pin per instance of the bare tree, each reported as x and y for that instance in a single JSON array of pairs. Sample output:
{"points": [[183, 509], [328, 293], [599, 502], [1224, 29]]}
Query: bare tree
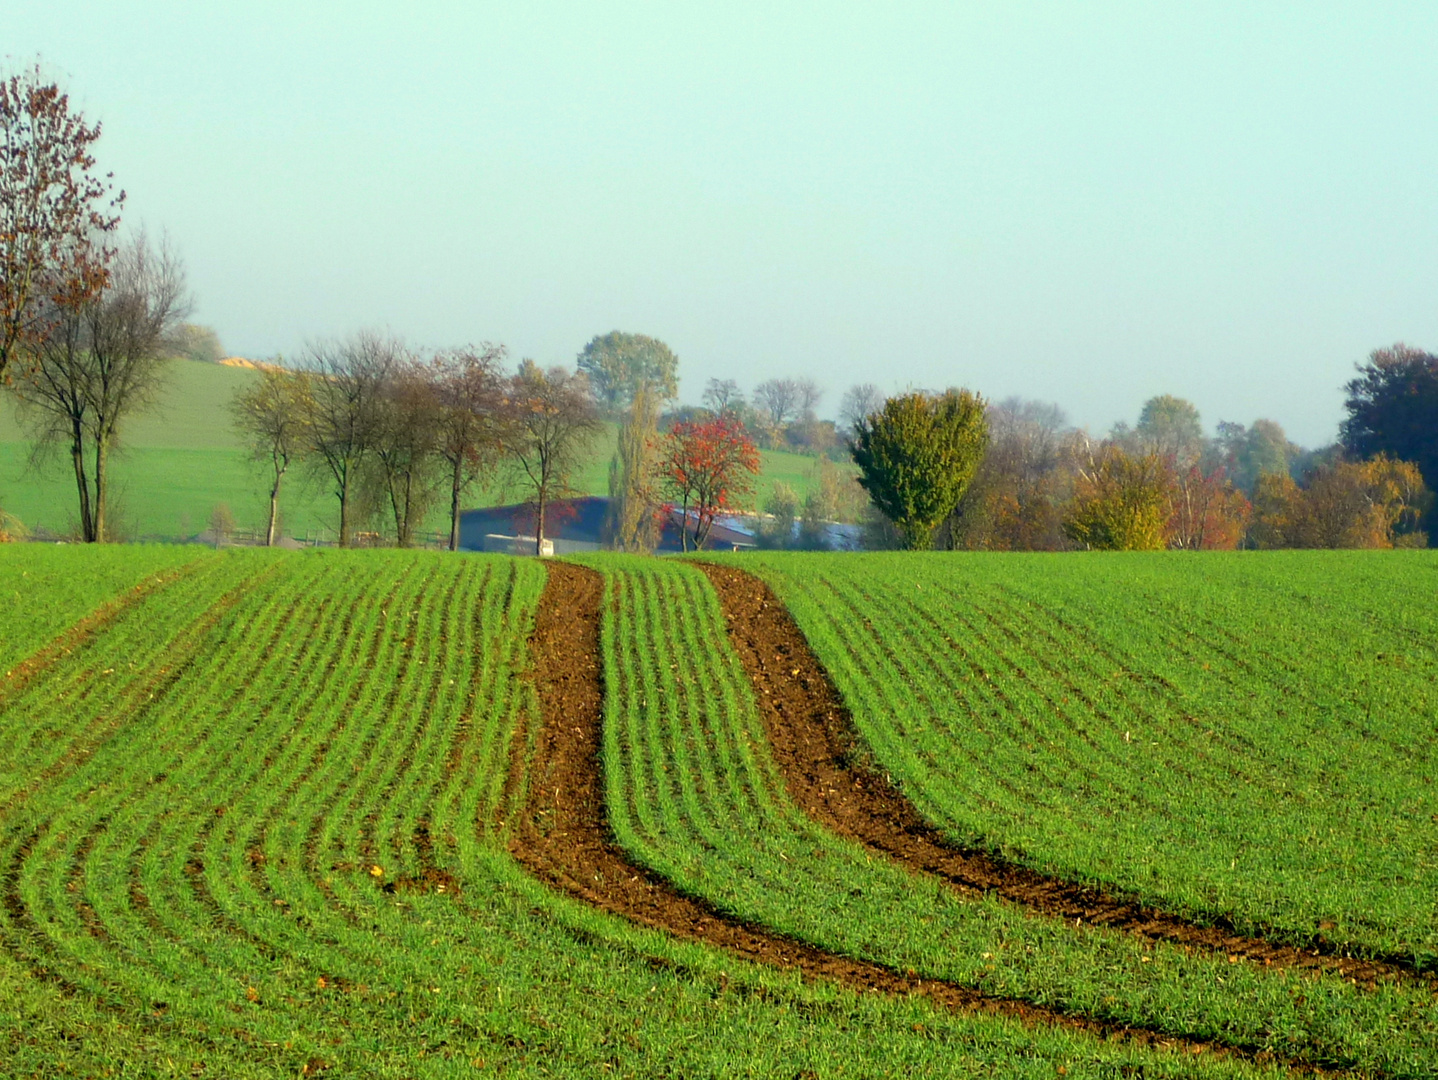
{"points": [[274, 418], [101, 362], [406, 446], [55, 213], [779, 398], [348, 378], [809, 394], [857, 403], [556, 421], [722, 396], [473, 421]]}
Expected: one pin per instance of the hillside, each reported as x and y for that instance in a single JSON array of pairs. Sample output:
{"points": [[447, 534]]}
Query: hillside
{"points": [[183, 458]]}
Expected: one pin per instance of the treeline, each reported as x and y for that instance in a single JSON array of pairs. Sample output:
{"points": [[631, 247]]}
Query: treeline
{"points": [[1027, 481], [392, 434]]}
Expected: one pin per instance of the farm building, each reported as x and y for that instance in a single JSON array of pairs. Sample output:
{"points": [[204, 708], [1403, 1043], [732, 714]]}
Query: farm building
{"points": [[573, 525]]}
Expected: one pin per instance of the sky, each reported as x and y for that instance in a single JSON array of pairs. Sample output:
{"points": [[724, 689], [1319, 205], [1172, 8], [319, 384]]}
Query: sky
{"points": [[1088, 204]]}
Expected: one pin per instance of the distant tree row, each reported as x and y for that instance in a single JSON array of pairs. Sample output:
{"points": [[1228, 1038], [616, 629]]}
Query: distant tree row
{"points": [[1034, 483], [392, 433]]}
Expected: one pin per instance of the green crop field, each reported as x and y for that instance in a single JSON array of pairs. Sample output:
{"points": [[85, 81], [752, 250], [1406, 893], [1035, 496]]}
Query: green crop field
{"points": [[694, 795], [183, 458], [253, 823], [1247, 737]]}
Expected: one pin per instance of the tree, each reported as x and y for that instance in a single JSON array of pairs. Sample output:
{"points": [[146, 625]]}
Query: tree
{"points": [[632, 521], [55, 214], [555, 424], [1249, 452], [1121, 502], [618, 364], [722, 396], [809, 394], [273, 416], [1169, 427], [708, 466], [1345, 504], [405, 445], [917, 455], [100, 362], [857, 403], [474, 421], [780, 399], [348, 378], [1209, 513], [198, 343], [1026, 478], [1393, 409], [782, 509]]}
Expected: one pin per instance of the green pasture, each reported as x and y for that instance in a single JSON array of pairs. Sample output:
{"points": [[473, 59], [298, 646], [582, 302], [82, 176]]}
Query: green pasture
{"points": [[218, 811], [183, 458], [1242, 736], [693, 794]]}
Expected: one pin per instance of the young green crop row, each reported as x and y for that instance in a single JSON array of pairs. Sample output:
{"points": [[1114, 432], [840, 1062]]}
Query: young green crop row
{"points": [[40, 597], [254, 825], [1246, 737], [694, 795]]}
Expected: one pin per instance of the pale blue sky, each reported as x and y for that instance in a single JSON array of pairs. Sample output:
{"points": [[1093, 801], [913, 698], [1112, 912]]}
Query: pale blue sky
{"points": [[1083, 202]]}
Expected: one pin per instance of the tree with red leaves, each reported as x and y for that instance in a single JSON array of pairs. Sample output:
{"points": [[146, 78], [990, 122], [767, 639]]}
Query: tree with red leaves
{"points": [[1209, 513], [55, 213], [708, 467]]}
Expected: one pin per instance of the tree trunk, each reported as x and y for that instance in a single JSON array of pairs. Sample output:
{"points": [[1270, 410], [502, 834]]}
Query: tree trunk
{"points": [[345, 514], [274, 507], [454, 492], [404, 520], [539, 523], [101, 449], [82, 482]]}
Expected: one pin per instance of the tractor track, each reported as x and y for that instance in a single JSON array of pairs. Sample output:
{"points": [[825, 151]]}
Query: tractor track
{"points": [[561, 832], [815, 744]]}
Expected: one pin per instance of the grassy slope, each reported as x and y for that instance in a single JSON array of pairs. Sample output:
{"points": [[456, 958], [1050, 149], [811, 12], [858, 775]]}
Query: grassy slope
{"points": [[184, 457], [193, 857], [1241, 735]]}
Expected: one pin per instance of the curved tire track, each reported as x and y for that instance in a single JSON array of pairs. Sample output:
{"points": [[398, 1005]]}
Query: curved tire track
{"points": [[814, 742], [561, 834]]}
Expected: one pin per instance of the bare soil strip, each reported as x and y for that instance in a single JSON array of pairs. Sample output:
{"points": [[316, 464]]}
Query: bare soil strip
{"points": [[815, 744], [562, 835]]}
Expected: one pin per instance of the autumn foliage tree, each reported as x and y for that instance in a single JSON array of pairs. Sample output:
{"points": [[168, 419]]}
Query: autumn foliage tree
{"points": [[1393, 409], [99, 363], [708, 467], [1208, 512], [1122, 502], [56, 213], [1377, 503]]}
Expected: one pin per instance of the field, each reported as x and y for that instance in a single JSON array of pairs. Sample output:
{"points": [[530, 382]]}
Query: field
{"points": [[406, 814], [184, 458], [1245, 739]]}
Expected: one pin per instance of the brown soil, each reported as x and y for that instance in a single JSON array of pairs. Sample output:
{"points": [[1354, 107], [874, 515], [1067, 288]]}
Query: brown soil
{"points": [[814, 741], [561, 834]]}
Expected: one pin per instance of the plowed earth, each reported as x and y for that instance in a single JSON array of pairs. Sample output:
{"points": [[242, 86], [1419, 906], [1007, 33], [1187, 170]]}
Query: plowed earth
{"points": [[814, 742], [562, 837]]}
